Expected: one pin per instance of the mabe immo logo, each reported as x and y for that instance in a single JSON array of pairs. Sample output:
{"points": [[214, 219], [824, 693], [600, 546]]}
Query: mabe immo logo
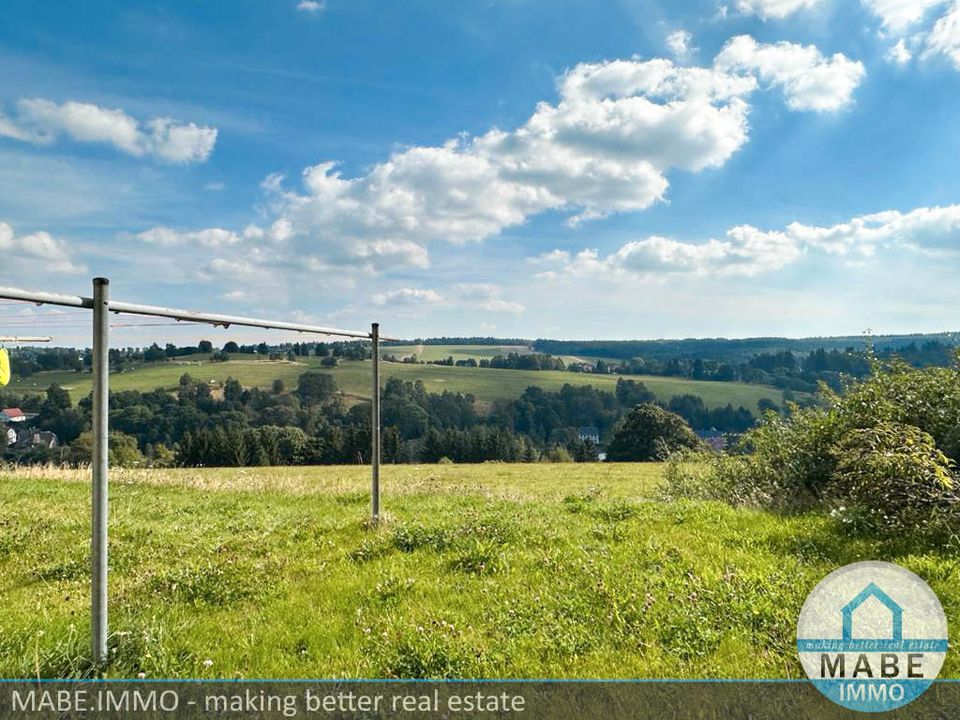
{"points": [[872, 636]]}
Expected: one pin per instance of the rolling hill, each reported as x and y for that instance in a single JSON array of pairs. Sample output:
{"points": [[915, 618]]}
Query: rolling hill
{"points": [[353, 378]]}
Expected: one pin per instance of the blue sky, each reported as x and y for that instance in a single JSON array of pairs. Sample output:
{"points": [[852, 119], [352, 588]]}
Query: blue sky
{"points": [[563, 169]]}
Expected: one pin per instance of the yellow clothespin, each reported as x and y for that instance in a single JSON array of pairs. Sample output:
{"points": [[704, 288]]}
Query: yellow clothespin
{"points": [[4, 366]]}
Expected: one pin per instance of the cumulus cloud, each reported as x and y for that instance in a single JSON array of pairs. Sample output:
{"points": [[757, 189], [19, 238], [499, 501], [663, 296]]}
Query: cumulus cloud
{"points": [[42, 121], [747, 251], [923, 28], [208, 238], [679, 44], [897, 16], [606, 146], [414, 302], [487, 298], [899, 53], [311, 6], [944, 37], [808, 79], [773, 9], [407, 297], [37, 250]]}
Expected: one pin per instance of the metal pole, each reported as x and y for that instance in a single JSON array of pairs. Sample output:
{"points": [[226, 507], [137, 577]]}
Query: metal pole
{"points": [[375, 424], [101, 399]]}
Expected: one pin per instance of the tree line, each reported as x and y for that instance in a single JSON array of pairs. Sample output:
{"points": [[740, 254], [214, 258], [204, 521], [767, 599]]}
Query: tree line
{"points": [[27, 361], [232, 425]]}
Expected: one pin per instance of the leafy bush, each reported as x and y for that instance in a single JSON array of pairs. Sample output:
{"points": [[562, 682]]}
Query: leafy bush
{"points": [[650, 433], [881, 456], [892, 477], [122, 450]]}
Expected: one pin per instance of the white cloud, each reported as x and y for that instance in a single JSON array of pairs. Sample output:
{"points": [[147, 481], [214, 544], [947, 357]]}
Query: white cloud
{"points": [[281, 230], [407, 297], [899, 53], [411, 302], [746, 250], [253, 232], [773, 9], [606, 146], [311, 6], [177, 143], [919, 30], [485, 297], [944, 37], [233, 268], [926, 229], [41, 121], [36, 251], [208, 238], [899, 15], [808, 80], [679, 44]]}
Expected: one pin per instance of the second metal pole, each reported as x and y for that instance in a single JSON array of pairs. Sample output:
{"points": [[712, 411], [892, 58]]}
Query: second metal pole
{"points": [[375, 425], [101, 399]]}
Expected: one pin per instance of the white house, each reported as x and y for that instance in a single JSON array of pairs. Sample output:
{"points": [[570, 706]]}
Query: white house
{"points": [[589, 433], [12, 415]]}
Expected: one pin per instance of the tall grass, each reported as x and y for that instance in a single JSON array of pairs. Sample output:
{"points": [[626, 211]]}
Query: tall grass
{"points": [[477, 571]]}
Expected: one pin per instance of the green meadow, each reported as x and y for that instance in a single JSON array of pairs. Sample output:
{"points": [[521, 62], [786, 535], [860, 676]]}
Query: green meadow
{"points": [[429, 353], [499, 571], [353, 378]]}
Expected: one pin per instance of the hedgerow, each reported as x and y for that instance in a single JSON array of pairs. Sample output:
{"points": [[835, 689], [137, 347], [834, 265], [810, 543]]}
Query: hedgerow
{"points": [[881, 456]]}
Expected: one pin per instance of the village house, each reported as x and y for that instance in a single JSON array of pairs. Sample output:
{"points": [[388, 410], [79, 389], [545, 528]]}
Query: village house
{"points": [[12, 415], [18, 433], [589, 433]]}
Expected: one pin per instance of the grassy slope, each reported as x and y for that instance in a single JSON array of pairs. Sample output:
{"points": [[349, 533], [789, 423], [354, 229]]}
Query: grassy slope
{"points": [[487, 384], [428, 353], [354, 378], [479, 571]]}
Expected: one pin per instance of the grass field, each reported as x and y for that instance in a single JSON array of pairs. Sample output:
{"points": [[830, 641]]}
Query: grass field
{"points": [[353, 378], [477, 571], [429, 353]]}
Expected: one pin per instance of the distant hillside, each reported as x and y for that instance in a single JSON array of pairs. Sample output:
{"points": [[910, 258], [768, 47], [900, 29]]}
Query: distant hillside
{"points": [[485, 340], [732, 351]]}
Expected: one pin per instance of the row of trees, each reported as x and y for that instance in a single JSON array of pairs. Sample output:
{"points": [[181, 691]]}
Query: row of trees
{"points": [[27, 361], [310, 424], [787, 369]]}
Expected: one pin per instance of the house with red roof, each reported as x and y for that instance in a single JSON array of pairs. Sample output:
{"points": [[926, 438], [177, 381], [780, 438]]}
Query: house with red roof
{"points": [[12, 415]]}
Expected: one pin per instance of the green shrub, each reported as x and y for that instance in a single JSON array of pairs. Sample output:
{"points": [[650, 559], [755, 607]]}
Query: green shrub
{"points": [[892, 477], [558, 454], [122, 448], [880, 456]]}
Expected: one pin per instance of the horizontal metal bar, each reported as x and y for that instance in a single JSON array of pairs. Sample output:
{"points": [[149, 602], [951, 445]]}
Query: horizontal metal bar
{"points": [[45, 298], [18, 339], [228, 320], [117, 306]]}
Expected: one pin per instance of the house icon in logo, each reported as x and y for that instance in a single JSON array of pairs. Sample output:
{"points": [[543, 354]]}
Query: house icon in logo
{"points": [[872, 591]]}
